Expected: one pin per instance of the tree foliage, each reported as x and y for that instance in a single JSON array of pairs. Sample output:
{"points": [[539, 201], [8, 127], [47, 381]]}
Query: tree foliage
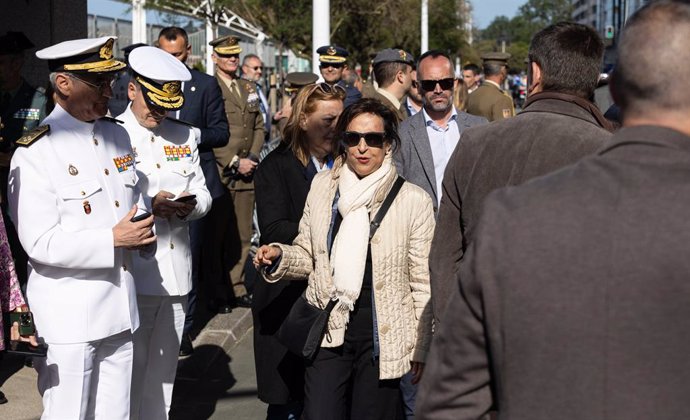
{"points": [[517, 32]]}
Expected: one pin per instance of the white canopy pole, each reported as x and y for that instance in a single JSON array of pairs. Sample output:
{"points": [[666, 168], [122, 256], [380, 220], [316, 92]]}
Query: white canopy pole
{"points": [[425, 26], [321, 29]]}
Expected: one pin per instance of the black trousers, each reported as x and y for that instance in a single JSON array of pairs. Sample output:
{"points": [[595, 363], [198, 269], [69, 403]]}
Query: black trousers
{"points": [[343, 383]]}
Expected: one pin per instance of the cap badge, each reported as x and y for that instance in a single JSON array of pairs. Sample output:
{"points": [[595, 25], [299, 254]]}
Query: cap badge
{"points": [[106, 51], [403, 55], [87, 207], [172, 88], [72, 170], [331, 51]]}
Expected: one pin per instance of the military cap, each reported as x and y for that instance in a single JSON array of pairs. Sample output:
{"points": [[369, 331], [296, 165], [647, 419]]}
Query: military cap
{"points": [[392, 55], [226, 45], [332, 54], [160, 76], [14, 43], [89, 55], [496, 58], [129, 48], [299, 79]]}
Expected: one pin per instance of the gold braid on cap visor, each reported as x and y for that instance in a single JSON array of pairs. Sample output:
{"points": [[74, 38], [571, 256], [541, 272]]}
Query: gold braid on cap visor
{"points": [[97, 66], [332, 59], [228, 50], [169, 97]]}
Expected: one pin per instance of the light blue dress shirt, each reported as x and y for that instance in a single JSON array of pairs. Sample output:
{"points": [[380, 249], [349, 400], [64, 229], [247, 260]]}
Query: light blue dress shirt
{"points": [[442, 141]]}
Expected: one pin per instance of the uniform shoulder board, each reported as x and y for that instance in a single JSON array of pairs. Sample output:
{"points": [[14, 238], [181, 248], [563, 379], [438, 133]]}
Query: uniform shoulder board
{"points": [[175, 120], [32, 136], [112, 120]]}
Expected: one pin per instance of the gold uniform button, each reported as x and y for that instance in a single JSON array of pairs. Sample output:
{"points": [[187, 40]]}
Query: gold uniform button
{"points": [[172, 245], [117, 203], [153, 139], [158, 165], [184, 171], [95, 141], [107, 172], [124, 267], [83, 193]]}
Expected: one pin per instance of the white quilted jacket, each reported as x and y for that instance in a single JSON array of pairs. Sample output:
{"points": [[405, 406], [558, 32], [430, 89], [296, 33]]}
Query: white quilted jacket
{"points": [[399, 251]]}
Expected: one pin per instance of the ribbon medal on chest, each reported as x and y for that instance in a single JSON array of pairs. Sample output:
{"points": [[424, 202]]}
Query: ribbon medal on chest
{"points": [[175, 153], [124, 162]]}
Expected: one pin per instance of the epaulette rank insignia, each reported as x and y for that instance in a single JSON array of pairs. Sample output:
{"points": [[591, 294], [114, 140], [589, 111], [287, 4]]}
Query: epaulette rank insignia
{"points": [[112, 120], [33, 135]]}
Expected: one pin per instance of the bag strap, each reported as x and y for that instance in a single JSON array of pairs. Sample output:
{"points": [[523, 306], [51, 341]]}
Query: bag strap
{"points": [[374, 226], [331, 304]]}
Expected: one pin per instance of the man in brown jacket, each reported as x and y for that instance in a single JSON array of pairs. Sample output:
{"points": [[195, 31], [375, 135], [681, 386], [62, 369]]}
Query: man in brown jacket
{"points": [[237, 160], [557, 127], [573, 300]]}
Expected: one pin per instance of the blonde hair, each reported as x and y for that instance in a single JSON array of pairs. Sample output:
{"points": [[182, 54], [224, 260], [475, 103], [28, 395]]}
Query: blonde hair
{"points": [[305, 103], [460, 95]]}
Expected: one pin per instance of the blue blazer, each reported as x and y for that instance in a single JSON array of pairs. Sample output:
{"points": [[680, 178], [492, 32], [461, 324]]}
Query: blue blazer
{"points": [[204, 109]]}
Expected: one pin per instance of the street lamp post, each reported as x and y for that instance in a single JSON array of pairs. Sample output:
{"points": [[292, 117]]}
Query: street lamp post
{"points": [[321, 29]]}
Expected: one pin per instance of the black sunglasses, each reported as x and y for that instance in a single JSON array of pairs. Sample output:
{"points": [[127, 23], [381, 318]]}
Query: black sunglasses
{"points": [[257, 68], [373, 139], [334, 65], [430, 85]]}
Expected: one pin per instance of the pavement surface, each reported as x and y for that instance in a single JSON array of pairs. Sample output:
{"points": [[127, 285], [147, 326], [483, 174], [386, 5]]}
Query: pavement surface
{"points": [[217, 381]]}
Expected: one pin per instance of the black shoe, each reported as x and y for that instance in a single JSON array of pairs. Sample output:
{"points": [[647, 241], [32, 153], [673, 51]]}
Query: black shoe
{"points": [[220, 308], [29, 362], [186, 347], [3, 400], [244, 301]]}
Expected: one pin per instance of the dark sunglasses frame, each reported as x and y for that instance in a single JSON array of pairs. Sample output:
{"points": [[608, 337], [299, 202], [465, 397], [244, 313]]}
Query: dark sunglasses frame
{"points": [[100, 86], [334, 65], [372, 139], [430, 85]]}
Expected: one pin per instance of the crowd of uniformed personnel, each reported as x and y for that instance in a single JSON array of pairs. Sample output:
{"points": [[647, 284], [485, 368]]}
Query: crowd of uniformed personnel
{"points": [[557, 272]]}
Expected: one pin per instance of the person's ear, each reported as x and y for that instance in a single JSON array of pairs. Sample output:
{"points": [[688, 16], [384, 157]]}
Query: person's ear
{"points": [[303, 121], [214, 57], [131, 91], [535, 85], [63, 84]]}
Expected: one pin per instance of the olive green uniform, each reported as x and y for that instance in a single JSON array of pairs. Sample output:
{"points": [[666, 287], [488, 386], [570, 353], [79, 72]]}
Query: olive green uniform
{"points": [[246, 138], [490, 102]]}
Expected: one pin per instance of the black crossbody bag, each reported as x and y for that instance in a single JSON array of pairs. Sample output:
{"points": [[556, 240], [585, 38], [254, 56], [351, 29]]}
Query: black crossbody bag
{"points": [[305, 326]]}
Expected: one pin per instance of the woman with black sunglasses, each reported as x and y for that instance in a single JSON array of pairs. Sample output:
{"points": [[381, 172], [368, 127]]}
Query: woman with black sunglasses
{"points": [[282, 182], [380, 327]]}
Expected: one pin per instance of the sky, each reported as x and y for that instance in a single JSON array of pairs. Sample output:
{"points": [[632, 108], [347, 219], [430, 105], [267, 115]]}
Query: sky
{"points": [[486, 10]]}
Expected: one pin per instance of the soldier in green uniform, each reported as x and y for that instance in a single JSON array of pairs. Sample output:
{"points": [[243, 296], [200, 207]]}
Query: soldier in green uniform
{"points": [[237, 160], [22, 107], [489, 100]]}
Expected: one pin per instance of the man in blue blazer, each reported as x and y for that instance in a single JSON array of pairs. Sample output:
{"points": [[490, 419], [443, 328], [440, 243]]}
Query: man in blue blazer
{"points": [[204, 110]]}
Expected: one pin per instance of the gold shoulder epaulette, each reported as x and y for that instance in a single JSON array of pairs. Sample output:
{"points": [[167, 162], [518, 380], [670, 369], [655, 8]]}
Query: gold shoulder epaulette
{"points": [[112, 120], [33, 135], [175, 120]]}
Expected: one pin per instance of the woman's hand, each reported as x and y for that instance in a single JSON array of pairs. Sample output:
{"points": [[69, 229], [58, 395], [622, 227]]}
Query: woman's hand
{"points": [[417, 371], [266, 255]]}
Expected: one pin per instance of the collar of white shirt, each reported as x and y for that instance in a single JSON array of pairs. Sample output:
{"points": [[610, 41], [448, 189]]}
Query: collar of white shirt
{"points": [[430, 123]]}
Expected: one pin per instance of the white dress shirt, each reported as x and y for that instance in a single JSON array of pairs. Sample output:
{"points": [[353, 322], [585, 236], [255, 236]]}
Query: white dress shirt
{"points": [[443, 142]]}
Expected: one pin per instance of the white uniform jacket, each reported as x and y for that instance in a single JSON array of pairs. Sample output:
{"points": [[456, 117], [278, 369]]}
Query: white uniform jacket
{"points": [[66, 192], [167, 159]]}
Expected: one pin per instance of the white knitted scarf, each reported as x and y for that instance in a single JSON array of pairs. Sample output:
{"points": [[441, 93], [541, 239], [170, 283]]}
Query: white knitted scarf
{"points": [[349, 252]]}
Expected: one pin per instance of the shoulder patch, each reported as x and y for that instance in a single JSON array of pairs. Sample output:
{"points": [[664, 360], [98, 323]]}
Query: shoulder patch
{"points": [[175, 120], [112, 120], [32, 136]]}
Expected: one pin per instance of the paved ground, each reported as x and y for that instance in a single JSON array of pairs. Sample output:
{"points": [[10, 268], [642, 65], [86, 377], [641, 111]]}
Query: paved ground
{"points": [[217, 382]]}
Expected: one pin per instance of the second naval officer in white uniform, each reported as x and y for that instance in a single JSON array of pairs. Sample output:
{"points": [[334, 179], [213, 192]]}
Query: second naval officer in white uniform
{"points": [[72, 195], [172, 181]]}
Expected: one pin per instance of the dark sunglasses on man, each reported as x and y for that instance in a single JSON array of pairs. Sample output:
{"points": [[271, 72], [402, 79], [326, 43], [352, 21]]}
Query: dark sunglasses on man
{"points": [[334, 65], [373, 139], [430, 85]]}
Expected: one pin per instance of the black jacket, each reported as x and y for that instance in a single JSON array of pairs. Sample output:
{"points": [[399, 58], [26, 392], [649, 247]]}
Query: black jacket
{"points": [[281, 186], [204, 109]]}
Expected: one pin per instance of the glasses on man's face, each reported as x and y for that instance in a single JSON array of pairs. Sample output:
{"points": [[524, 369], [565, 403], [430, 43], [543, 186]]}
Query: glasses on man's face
{"points": [[373, 139], [257, 68], [100, 84], [430, 85], [334, 65]]}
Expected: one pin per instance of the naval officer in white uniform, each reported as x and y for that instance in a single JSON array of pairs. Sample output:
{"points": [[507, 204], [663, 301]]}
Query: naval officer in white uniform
{"points": [[168, 168], [72, 195]]}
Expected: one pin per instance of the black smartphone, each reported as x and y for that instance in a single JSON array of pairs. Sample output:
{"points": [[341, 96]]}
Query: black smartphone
{"points": [[25, 321], [185, 198], [26, 349], [140, 217]]}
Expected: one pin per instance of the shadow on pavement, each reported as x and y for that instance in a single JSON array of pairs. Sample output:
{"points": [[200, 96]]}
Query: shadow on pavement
{"points": [[202, 380]]}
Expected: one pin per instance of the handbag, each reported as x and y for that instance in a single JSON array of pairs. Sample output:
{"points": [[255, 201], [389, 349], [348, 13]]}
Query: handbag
{"points": [[305, 326]]}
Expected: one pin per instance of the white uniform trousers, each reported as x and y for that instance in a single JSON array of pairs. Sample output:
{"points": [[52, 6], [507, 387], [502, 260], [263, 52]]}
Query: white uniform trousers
{"points": [[87, 380], [156, 349]]}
